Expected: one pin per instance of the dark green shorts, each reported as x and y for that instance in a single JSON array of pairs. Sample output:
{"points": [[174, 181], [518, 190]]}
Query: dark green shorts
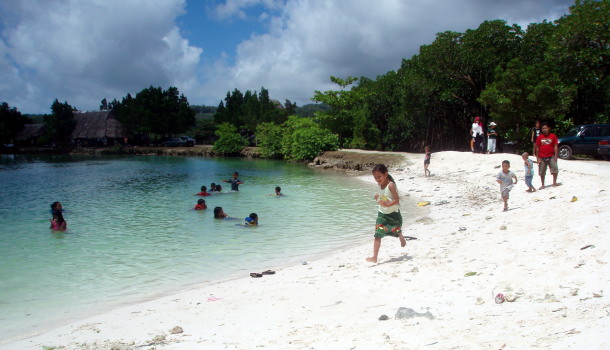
{"points": [[388, 224]]}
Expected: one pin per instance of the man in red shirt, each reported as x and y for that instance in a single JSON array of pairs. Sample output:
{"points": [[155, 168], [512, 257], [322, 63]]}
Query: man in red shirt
{"points": [[546, 153]]}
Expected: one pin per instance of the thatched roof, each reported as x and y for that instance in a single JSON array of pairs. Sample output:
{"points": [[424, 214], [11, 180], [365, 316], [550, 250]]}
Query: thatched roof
{"points": [[94, 125], [30, 131]]}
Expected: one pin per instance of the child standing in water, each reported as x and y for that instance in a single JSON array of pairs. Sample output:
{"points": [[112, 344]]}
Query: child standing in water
{"points": [[389, 219], [57, 222], [427, 161]]}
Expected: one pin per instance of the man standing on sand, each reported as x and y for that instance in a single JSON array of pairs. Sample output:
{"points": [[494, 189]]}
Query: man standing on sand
{"points": [[546, 151]]}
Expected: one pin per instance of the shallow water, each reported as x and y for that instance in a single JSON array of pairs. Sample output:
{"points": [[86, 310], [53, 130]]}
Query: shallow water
{"points": [[132, 233]]}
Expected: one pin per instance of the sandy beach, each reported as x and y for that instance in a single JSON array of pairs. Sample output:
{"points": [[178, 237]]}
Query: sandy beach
{"points": [[547, 255]]}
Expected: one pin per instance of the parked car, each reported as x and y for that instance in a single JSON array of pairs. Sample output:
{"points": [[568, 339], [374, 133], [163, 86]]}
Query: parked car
{"points": [[583, 139], [175, 142], [190, 142], [603, 149]]}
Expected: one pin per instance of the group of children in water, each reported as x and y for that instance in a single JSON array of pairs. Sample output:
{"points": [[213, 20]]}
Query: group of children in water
{"points": [[219, 213]]}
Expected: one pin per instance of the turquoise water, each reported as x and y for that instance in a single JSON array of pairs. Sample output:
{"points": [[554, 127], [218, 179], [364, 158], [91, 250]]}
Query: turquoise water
{"points": [[132, 233]]}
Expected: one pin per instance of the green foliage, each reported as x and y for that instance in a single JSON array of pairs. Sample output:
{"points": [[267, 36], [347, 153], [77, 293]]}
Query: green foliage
{"points": [[11, 122], [554, 71], [229, 142], [246, 111], [157, 111], [304, 139], [269, 140], [60, 124]]}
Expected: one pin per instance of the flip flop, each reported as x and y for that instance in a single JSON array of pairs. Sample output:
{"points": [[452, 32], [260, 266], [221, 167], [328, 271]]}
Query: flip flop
{"points": [[410, 238], [256, 275], [268, 272]]}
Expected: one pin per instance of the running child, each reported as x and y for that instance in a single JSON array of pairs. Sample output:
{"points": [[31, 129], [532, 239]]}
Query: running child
{"points": [[529, 171], [389, 219], [505, 179]]}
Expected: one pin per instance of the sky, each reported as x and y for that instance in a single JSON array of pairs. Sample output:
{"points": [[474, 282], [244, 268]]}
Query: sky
{"points": [[82, 51]]}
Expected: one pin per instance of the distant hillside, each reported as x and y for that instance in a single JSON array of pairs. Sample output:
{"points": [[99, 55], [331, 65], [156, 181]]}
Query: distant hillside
{"points": [[309, 109]]}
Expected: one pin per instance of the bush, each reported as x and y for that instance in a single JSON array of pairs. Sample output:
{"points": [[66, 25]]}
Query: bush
{"points": [[304, 139], [229, 140], [269, 139]]}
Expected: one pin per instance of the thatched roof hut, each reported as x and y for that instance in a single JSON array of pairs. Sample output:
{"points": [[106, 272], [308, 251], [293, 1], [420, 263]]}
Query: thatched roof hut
{"points": [[98, 125], [29, 132]]}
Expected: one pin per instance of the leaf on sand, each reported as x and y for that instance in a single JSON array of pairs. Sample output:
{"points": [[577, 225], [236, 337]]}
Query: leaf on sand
{"points": [[470, 274]]}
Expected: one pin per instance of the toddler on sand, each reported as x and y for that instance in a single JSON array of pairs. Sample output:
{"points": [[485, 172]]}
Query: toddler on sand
{"points": [[529, 171], [505, 179]]}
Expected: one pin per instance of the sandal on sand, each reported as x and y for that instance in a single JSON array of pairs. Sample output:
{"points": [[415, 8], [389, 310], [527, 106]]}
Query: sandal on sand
{"points": [[256, 275], [268, 272], [410, 238]]}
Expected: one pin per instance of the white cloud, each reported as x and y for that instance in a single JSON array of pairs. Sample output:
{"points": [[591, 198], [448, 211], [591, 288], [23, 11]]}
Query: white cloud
{"points": [[82, 51], [314, 39]]}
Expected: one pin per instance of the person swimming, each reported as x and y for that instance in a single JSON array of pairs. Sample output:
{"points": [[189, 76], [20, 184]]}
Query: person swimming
{"points": [[219, 213], [200, 205], [251, 220]]}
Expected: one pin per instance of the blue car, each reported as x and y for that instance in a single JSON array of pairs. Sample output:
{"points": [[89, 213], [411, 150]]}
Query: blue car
{"points": [[603, 149], [583, 139]]}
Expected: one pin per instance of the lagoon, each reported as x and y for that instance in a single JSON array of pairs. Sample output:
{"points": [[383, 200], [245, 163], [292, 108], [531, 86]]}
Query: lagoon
{"points": [[133, 235]]}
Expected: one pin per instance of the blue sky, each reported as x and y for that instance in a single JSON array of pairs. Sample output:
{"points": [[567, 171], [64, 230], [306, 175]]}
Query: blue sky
{"points": [[82, 51]]}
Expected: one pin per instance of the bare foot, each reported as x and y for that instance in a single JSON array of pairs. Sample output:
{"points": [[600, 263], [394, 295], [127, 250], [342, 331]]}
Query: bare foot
{"points": [[403, 241], [542, 187], [556, 184], [373, 260]]}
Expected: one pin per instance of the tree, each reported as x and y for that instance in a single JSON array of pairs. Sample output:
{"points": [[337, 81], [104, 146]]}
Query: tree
{"points": [[341, 115], [157, 111], [60, 124], [11, 122], [581, 49]]}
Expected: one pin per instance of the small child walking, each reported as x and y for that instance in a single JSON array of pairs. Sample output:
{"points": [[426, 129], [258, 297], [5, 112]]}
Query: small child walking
{"points": [[389, 219], [529, 171], [505, 179], [427, 161]]}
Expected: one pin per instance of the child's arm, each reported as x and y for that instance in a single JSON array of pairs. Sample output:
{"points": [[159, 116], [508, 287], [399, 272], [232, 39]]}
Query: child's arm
{"points": [[515, 177], [394, 192]]}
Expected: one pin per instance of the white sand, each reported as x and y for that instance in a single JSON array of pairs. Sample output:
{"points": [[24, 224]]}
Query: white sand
{"points": [[531, 252]]}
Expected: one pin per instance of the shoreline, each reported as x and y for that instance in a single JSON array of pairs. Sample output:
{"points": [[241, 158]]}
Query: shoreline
{"points": [[467, 251]]}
